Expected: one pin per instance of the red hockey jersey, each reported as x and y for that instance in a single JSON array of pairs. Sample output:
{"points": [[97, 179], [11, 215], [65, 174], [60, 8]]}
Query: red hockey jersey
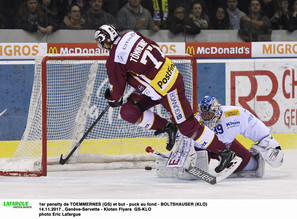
{"points": [[138, 61]]}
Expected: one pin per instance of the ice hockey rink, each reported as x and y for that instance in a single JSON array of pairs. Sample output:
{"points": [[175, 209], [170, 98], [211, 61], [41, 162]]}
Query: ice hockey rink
{"points": [[272, 196]]}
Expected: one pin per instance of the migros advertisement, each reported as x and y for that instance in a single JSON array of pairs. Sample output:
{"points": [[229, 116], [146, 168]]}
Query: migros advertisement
{"points": [[21, 51], [274, 49]]}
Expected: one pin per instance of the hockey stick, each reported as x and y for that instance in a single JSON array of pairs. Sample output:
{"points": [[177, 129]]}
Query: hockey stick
{"points": [[201, 174], [195, 171], [62, 160], [149, 149]]}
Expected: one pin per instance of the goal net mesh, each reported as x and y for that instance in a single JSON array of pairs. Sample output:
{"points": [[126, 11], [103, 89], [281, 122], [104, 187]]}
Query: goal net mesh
{"points": [[74, 99]]}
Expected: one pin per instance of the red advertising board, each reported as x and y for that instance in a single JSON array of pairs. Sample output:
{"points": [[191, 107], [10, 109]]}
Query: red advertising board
{"points": [[75, 48], [92, 48], [219, 50]]}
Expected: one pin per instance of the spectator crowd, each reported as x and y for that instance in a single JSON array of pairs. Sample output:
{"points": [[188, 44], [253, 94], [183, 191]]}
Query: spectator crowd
{"points": [[254, 19]]}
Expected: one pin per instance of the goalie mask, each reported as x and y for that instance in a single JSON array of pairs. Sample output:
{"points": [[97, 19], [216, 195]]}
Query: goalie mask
{"points": [[106, 34], [210, 112]]}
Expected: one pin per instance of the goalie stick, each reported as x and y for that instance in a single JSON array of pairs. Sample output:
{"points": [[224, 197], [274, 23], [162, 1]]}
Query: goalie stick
{"points": [[62, 160], [201, 174]]}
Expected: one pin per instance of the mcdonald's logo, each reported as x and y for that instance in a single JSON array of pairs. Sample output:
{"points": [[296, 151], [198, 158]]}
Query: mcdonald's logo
{"points": [[53, 50], [190, 50]]}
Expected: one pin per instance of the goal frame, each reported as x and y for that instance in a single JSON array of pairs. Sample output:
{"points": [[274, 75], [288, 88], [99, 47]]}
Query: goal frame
{"points": [[49, 57]]}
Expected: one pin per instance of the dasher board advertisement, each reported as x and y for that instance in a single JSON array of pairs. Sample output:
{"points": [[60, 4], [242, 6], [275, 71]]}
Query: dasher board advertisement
{"points": [[21, 51], [28, 51], [274, 49], [266, 87], [219, 50], [92, 48]]}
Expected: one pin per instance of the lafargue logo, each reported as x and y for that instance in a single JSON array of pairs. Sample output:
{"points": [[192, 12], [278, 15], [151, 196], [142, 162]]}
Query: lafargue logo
{"points": [[17, 204]]}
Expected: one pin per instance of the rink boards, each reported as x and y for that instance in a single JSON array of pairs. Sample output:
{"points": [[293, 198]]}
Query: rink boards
{"points": [[264, 86], [129, 146]]}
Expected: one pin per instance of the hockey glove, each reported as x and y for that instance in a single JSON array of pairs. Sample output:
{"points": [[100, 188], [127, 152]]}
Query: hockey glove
{"points": [[112, 102]]}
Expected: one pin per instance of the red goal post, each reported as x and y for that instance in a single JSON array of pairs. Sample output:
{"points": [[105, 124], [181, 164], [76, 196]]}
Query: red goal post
{"points": [[67, 96]]}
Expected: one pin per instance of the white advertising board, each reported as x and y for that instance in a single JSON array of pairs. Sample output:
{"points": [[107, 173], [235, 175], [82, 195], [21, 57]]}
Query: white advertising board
{"points": [[266, 87], [21, 51], [274, 49], [172, 48]]}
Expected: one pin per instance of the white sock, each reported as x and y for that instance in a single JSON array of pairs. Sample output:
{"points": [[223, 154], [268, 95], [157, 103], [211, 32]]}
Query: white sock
{"points": [[147, 119]]}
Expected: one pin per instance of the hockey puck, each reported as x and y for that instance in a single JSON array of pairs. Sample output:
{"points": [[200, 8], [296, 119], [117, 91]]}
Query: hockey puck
{"points": [[148, 168]]}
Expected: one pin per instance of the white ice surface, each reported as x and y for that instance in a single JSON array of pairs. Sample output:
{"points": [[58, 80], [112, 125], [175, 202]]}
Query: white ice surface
{"points": [[139, 183], [277, 184]]}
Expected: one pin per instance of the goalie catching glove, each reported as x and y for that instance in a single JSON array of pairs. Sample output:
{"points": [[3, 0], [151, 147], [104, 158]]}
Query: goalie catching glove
{"points": [[271, 151], [111, 101]]}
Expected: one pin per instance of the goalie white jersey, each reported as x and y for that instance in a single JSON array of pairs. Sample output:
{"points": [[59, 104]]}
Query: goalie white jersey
{"points": [[237, 120]]}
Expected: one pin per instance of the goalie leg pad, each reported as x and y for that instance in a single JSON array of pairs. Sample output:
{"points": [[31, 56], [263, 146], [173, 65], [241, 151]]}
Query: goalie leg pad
{"points": [[257, 173], [201, 163], [163, 171], [184, 155], [261, 166]]}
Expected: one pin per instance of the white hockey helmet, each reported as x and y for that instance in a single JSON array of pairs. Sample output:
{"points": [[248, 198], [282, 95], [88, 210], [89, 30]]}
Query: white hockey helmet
{"points": [[210, 111], [107, 33]]}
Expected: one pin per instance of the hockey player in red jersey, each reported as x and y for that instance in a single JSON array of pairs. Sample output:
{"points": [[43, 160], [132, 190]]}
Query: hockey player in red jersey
{"points": [[139, 62]]}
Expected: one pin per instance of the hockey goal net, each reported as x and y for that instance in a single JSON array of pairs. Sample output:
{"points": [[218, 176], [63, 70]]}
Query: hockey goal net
{"points": [[67, 97]]}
